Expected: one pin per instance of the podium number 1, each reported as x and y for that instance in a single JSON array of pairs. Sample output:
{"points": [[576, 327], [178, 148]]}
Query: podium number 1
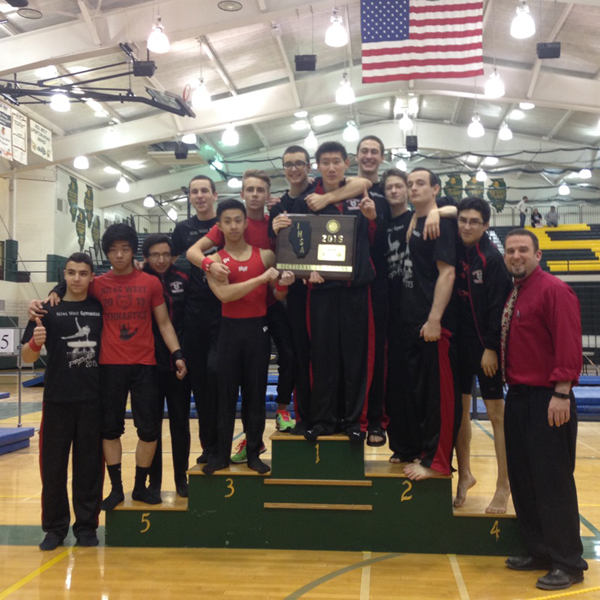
{"points": [[318, 458]]}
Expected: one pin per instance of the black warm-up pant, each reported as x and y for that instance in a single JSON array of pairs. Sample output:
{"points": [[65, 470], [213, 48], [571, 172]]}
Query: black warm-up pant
{"points": [[66, 424], [376, 415], [279, 328], [200, 350], [243, 355], [541, 462], [342, 353], [423, 399], [177, 394]]}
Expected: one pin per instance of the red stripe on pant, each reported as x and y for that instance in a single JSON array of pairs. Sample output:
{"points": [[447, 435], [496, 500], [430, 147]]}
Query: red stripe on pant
{"points": [[364, 421], [441, 460]]}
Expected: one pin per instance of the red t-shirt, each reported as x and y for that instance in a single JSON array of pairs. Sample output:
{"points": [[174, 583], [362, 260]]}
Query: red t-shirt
{"points": [[256, 234], [253, 304], [127, 303]]}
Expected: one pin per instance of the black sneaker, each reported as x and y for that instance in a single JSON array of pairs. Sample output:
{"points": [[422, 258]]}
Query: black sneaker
{"points": [[148, 496], [51, 542], [181, 486], [88, 539]]}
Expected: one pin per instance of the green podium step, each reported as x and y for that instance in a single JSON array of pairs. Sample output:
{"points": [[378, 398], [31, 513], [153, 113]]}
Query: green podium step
{"points": [[319, 495]]}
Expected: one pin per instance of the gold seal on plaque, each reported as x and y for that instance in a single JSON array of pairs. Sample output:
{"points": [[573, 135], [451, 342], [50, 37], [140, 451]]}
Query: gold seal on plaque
{"points": [[333, 226]]}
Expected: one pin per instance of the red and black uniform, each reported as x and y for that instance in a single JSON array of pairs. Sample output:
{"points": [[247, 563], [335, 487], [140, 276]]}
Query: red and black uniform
{"points": [[425, 412], [71, 416], [243, 358], [543, 348], [176, 391], [202, 319], [340, 325], [257, 235], [483, 284]]}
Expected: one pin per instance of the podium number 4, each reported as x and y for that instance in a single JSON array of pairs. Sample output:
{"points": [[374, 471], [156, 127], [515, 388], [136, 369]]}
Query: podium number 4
{"points": [[495, 530]]}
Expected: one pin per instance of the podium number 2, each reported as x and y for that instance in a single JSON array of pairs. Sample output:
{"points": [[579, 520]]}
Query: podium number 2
{"points": [[405, 495], [146, 522], [495, 530], [317, 458], [230, 487]]}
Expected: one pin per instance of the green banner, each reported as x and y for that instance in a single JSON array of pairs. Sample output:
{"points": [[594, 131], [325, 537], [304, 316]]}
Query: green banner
{"points": [[80, 228], [497, 193], [72, 194], [88, 203], [454, 186], [96, 230], [474, 188]]}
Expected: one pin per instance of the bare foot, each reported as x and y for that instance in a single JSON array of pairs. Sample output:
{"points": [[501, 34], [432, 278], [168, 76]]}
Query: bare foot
{"points": [[395, 459], [375, 438], [416, 472], [499, 502], [464, 485]]}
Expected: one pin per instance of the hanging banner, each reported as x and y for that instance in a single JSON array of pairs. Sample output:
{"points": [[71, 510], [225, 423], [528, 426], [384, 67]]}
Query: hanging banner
{"points": [[88, 203], [80, 228], [5, 132], [72, 198], [19, 137], [96, 231], [454, 187], [41, 141], [474, 188], [497, 193]]}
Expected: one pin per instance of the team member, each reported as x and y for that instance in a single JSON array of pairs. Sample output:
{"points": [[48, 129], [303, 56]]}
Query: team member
{"points": [[202, 314], [341, 319], [71, 412], [256, 190], [157, 250], [425, 415], [483, 284], [541, 344], [129, 298], [244, 342]]}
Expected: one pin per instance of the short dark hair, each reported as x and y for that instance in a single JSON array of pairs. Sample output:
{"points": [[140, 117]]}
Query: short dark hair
{"points": [[294, 149], [433, 178], [119, 232], [81, 257], [375, 139], [478, 204], [152, 240], [257, 174], [230, 204], [212, 183], [330, 147], [392, 173], [526, 232]]}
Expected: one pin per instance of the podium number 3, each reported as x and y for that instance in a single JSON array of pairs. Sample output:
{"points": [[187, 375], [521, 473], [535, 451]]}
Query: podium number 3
{"points": [[230, 487], [405, 495], [495, 530], [146, 522]]}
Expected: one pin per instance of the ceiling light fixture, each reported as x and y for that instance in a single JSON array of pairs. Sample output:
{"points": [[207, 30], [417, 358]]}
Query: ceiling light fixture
{"points": [[526, 105], [234, 183], [490, 161], [81, 163], [172, 214], [301, 114], [336, 35], [585, 174], [230, 5], [351, 133], [320, 120], [122, 185], [158, 42], [112, 170], [401, 164], [494, 86], [564, 190], [230, 136], [216, 164], [516, 115], [345, 93], [480, 175], [149, 201], [405, 123], [300, 125], [189, 138], [311, 142], [523, 25], [475, 129], [201, 96], [60, 102], [505, 133]]}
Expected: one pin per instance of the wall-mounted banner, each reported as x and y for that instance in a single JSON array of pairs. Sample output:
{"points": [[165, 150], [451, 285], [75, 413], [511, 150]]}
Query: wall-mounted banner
{"points": [[88, 203], [5, 132], [474, 188], [454, 187], [80, 228], [41, 141], [19, 137], [72, 198], [96, 231], [497, 193]]}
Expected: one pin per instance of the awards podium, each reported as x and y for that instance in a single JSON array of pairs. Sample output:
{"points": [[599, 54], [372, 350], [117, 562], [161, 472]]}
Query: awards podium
{"points": [[320, 495]]}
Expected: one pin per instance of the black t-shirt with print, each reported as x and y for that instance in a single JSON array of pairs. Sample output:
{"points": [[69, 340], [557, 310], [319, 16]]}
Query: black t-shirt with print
{"points": [[73, 331], [395, 253]]}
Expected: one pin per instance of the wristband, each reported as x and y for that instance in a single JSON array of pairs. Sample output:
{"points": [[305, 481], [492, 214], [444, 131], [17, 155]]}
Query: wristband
{"points": [[178, 355], [281, 288], [34, 346], [561, 395], [206, 264]]}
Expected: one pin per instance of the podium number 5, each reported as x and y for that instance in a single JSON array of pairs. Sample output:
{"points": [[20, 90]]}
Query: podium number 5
{"points": [[146, 522]]}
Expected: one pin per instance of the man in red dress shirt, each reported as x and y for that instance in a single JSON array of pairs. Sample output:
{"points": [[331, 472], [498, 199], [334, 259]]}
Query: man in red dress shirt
{"points": [[541, 358]]}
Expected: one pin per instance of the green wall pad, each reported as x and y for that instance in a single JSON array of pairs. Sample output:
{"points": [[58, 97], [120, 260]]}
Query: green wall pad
{"points": [[320, 495]]}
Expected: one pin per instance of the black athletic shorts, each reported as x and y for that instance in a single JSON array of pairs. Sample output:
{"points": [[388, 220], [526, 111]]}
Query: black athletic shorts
{"points": [[116, 382], [469, 357]]}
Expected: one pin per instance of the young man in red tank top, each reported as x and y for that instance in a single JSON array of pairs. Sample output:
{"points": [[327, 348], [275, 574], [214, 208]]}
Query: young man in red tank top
{"points": [[244, 342]]}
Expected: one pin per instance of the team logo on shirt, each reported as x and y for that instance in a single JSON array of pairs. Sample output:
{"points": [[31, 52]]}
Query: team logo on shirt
{"points": [[242, 268], [82, 350], [176, 287], [478, 276], [353, 203], [123, 301], [226, 260]]}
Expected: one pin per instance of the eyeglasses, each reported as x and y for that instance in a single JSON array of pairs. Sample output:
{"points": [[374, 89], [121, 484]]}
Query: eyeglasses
{"points": [[157, 255], [299, 164], [471, 222]]}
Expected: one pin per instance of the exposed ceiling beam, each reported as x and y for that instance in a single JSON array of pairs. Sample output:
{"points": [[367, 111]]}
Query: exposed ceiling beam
{"points": [[288, 68], [89, 21], [559, 124]]}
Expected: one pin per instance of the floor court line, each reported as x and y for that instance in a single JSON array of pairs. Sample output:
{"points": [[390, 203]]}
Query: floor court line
{"points": [[365, 579], [460, 582], [568, 594], [25, 580]]}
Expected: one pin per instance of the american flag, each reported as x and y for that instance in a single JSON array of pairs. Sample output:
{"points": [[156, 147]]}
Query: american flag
{"points": [[421, 39]]}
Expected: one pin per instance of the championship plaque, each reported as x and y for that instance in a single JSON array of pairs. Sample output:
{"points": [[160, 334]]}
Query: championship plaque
{"points": [[322, 243]]}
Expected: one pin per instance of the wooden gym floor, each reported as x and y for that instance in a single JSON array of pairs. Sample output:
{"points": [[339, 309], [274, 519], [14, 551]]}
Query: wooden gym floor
{"points": [[130, 574]]}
